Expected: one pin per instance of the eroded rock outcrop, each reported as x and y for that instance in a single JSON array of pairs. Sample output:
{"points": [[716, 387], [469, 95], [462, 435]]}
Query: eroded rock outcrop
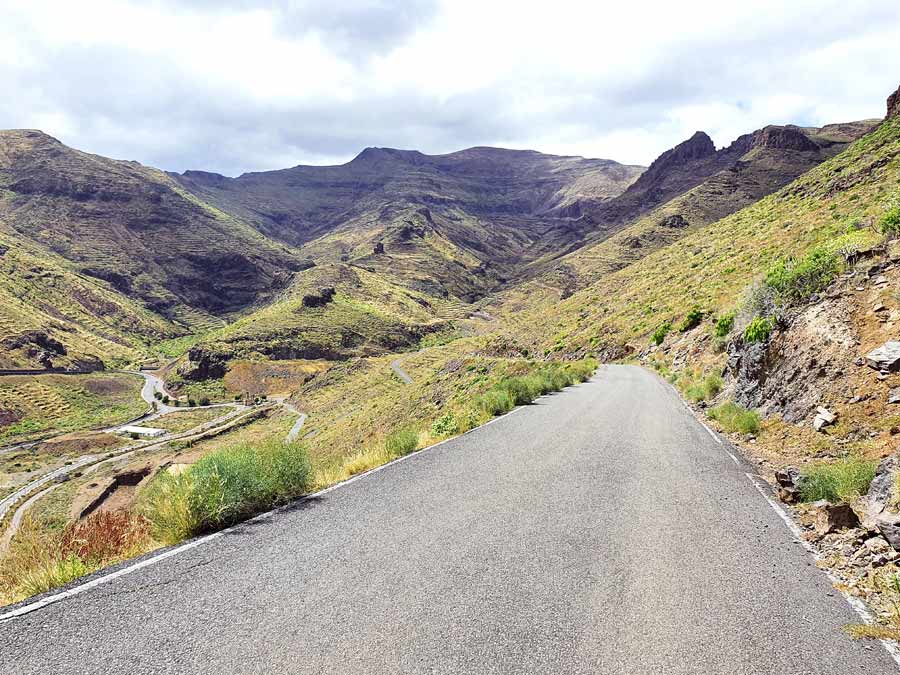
{"points": [[893, 105]]}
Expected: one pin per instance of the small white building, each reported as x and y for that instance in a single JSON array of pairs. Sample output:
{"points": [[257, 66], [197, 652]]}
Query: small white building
{"points": [[146, 432]]}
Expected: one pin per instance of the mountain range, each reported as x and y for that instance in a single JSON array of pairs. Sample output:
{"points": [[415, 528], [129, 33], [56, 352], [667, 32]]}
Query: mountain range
{"points": [[104, 258]]}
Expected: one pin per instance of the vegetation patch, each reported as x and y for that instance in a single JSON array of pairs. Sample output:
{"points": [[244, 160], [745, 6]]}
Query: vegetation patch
{"points": [[759, 329], [691, 320], [837, 481], [659, 335], [735, 418], [796, 280], [41, 558], [225, 487]]}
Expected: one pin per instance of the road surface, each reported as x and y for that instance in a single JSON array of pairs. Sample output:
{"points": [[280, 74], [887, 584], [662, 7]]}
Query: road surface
{"points": [[399, 372], [600, 530]]}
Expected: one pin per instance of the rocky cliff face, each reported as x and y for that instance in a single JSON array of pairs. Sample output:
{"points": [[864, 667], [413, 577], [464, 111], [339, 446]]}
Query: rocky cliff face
{"points": [[893, 104]]}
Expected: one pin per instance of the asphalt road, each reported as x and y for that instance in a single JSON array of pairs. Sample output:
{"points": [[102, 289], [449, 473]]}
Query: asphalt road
{"points": [[601, 530]]}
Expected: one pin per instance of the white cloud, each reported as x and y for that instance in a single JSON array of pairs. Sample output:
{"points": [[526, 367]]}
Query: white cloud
{"points": [[239, 85]]}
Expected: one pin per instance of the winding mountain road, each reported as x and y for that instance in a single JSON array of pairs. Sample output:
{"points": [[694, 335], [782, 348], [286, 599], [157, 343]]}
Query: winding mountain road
{"points": [[600, 530]]}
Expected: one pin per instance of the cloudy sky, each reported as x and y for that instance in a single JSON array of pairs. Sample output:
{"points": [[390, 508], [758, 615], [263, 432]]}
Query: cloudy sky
{"points": [[243, 85]]}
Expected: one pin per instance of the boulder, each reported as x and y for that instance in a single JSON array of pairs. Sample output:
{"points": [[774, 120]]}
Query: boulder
{"points": [[823, 418], [888, 524], [894, 395], [833, 517], [886, 357], [788, 485], [881, 490]]}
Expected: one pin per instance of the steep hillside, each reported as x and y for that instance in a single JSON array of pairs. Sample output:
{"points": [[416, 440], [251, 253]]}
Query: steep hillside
{"points": [[686, 188], [461, 223], [333, 312], [136, 229], [54, 317], [711, 267]]}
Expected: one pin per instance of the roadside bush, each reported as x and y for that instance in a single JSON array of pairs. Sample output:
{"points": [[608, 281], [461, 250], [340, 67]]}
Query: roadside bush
{"points": [[660, 333], [759, 329], [518, 390], [191, 402], [225, 487], [796, 280], [445, 425], [837, 481], [401, 442], [495, 402], [735, 418], [704, 389], [890, 221], [724, 325], [204, 400], [691, 320]]}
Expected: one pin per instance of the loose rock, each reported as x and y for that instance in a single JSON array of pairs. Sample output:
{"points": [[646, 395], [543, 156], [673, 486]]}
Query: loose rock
{"points": [[886, 357], [833, 517]]}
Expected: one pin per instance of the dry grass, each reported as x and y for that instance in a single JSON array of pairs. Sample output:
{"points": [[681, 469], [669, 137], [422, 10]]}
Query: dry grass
{"points": [[40, 558]]}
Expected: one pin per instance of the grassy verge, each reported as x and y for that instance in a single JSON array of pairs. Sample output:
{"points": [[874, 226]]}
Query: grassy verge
{"points": [[492, 398], [42, 558], [223, 488], [837, 481], [735, 418]]}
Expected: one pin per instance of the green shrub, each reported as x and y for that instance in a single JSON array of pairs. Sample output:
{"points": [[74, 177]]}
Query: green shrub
{"points": [[445, 425], [759, 329], [691, 320], [707, 388], [660, 333], [401, 442], [837, 481], [225, 487], [191, 402], [736, 418], [518, 390], [581, 371], [495, 402], [724, 324], [537, 384], [796, 280], [890, 221], [204, 400]]}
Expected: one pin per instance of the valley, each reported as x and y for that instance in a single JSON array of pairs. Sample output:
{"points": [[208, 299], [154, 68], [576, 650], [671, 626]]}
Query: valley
{"points": [[310, 324]]}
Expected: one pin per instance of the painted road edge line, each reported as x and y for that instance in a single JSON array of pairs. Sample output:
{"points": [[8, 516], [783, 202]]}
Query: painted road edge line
{"points": [[194, 543], [855, 603]]}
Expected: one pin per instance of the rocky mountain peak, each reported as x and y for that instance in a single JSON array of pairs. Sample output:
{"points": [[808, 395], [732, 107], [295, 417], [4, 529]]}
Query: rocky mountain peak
{"points": [[787, 137], [893, 104], [698, 146]]}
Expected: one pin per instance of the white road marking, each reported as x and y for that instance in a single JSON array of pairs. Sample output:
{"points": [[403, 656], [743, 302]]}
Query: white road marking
{"points": [[77, 590], [855, 603]]}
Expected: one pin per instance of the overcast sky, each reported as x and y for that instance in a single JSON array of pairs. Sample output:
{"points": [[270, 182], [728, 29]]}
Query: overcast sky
{"points": [[244, 85]]}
